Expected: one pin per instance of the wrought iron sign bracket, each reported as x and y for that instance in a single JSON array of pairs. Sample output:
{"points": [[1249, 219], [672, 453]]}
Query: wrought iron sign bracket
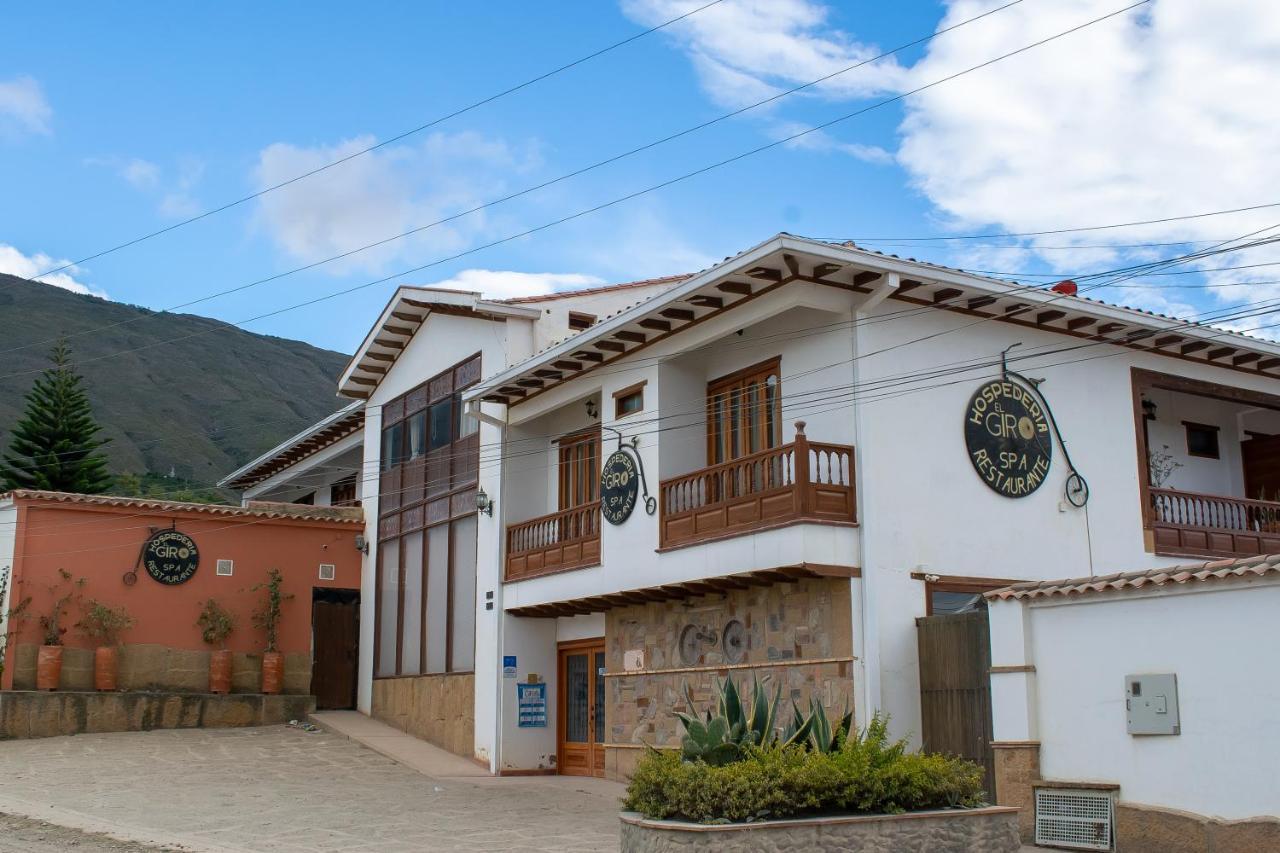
{"points": [[1076, 488]]}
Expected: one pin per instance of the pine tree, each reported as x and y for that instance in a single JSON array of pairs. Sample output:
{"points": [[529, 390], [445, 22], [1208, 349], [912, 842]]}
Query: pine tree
{"points": [[55, 445]]}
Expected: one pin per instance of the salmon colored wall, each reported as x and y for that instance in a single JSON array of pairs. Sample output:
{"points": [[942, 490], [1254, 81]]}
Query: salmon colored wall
{"points": [[101, 544]]}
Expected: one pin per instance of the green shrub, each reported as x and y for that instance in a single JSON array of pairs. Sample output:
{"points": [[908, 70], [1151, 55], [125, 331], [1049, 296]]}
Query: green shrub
{"points": [[867, 773]]}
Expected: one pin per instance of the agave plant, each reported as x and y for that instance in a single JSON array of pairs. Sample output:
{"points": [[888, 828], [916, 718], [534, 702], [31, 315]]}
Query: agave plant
{"points": [[721, 738], [815, 730]]}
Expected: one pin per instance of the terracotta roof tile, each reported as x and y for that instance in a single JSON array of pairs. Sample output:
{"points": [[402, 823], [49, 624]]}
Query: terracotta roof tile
{"points": [[1244, 567], [588, 291], [256, 509]]}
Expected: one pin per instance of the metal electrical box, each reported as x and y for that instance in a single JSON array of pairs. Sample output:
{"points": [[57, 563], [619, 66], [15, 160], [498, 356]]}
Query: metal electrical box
{"points": [[1151, 704]]}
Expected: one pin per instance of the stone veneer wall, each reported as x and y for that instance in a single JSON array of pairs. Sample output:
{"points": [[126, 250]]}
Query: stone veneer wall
{"points": [[799, 634], [1017, 769], [150, 666], [1148, 829], [437, 708]]}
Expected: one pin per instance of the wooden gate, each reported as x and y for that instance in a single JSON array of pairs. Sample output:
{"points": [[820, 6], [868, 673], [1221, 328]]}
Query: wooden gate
{"points": [[955, 688]]}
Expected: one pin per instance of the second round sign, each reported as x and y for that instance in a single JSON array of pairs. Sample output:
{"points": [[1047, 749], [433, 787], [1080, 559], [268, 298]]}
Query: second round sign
{"points": [[619, 487]]}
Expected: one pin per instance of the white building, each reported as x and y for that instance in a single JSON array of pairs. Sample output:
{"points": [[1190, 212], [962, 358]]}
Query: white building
{"points": [[801, 555]]}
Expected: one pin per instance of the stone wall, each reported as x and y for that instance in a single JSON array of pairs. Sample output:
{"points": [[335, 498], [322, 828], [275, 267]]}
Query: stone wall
{"points": [[32, 714], [437, 708], [1148, 829], [799, 636], [989, 830], [150, 666], [1017, 769]]}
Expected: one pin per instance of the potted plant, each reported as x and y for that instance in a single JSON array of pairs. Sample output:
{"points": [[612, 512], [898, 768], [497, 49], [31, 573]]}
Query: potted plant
{"points": [[104, 624], [49, 658], [267, 617], [215, 624]]}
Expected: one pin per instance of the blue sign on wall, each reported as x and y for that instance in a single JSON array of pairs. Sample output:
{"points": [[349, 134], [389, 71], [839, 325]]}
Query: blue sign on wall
{"points": [[508, 666], [532, 701]]}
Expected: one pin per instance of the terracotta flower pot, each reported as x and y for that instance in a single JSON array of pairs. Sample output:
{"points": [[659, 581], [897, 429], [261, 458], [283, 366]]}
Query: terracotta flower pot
{"points": [[48, 667], [272, 671], [220, 671], [104, 668]]}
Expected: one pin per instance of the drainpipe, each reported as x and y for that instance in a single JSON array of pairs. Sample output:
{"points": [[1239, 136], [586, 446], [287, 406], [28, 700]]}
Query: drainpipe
{"points": [[473, 408], [869, 659]]}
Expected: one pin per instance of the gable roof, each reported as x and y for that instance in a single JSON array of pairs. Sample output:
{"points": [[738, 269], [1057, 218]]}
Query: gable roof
{"points": [[1199, 573], [339, 425], [784, 258]]}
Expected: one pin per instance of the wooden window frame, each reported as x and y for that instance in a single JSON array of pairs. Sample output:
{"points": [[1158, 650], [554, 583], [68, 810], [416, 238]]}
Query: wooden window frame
{"points": [[957, 583], [629, 391], [722, 384], [1216, 431], [564, 488]]}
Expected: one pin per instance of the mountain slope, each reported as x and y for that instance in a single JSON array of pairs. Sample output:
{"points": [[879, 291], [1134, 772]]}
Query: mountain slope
{"points": [[199, 407]]}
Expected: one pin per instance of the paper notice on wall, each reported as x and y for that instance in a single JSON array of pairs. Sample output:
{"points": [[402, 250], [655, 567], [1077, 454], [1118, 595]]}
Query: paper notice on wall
{"points": [[532, 701]]}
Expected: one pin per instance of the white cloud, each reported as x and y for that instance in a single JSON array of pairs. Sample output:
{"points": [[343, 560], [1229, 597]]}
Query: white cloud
{"points": [[16, 263], [1158, 113], [505, 284], [746, 49], [172, 188], [142, 174], [23, 108], [383, 193]]}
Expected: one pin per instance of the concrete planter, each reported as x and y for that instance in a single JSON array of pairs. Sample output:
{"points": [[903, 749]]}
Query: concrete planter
{"points": [[988, 830]]}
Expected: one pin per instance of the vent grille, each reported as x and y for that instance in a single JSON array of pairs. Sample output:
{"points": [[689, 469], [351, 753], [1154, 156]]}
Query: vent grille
{"points": [[225, 568], [327, 572], [1075, 819]]}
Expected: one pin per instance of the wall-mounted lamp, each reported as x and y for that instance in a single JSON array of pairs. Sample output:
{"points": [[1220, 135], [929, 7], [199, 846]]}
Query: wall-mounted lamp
{"points": [[362, 544], [1149, 410], [484, 503], [591, 410]]}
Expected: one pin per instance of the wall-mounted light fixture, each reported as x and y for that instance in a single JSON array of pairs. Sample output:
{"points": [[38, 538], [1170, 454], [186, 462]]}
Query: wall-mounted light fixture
{"points": [[362, 544], [592, 412], [1149, 410], [484, 503]]}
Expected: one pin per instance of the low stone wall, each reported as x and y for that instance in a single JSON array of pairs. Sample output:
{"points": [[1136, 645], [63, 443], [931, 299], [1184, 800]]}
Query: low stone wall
{"points": [[32, 714], [1017, 770], [988, 830], [150, 666], [437, 708], [1149, 829]]}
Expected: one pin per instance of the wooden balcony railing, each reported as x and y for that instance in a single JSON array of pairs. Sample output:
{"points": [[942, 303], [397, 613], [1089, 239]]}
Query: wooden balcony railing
{"points": [[801, 481], [569, 539], [1190, 524]]}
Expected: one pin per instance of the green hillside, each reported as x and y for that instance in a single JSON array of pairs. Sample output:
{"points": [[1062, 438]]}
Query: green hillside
{"points": [[198, 407]]}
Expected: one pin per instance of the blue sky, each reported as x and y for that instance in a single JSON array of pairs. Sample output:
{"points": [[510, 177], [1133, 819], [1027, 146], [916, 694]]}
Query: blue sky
{"points": [[115, 121]]}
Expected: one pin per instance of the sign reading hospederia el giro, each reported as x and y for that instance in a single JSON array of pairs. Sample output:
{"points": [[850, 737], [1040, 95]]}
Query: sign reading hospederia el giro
{"points": [[619, 487], [170, 557], [1007, 434]]}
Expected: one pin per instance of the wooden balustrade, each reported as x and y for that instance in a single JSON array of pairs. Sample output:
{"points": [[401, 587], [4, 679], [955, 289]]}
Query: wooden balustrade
{"points": [[569, 539], [1191, 524], [801, 481]]}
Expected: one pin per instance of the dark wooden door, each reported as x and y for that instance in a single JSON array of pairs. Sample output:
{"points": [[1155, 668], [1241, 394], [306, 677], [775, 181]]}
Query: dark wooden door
{"points": [[1261, 458], [955, 688], [581, 712], [336, 633]]}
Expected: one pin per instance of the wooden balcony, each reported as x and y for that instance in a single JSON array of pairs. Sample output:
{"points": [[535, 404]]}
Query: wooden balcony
{"points": [[799, 482], [569, 539], [1190, 524]]}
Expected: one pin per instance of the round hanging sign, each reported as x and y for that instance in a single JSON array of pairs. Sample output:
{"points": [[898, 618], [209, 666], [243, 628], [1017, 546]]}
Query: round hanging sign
{"points": [[1007, 434], [170, 557], [619, 486]]}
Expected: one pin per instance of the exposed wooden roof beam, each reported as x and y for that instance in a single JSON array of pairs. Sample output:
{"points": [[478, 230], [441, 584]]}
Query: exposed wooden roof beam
{"points": [[407, 317], [1194, 346], [1168, 340], [587, 355], [982, 302], [681, 314], [1108, 328], [655, 324], [380, 356], [1219, 352], [793, 265], [765, 273], [868, 276], [1268, 363], [1245, 358], [906, 285], [397, 330], [544, 373], [388, 343], [824, 270], [944, 294], [611, 346], [704, 301], [1075, 324], [565, 364], [630, 336], [529, 382], [741, 288], [1049, 316]]}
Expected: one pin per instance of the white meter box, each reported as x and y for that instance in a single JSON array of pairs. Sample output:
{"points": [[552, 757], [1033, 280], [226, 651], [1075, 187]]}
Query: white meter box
{"points": [[1151, 703]]}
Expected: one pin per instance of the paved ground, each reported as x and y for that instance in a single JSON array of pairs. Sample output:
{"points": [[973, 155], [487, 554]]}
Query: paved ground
{"points": [[23, 835], [280, 789]]}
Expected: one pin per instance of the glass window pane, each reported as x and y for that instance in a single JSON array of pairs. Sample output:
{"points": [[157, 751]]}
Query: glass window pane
{"points": [[771, 411], [599, 663], [576, 686], [441, 424], [388, 605], [437, 598], [392, 446], [411, 632], [466, 425], [417, 435], [943, 602], [463, 594]]}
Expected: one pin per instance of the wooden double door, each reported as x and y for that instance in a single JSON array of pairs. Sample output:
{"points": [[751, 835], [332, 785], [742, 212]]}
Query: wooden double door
{"points": [[580, 716]]}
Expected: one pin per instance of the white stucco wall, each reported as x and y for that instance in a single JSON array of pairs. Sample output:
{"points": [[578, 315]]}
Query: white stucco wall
{"points": [[1213, 636]]}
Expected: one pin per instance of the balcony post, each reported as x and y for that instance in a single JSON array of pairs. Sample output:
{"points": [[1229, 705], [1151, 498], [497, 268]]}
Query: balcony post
{"points": [[802, 469]]}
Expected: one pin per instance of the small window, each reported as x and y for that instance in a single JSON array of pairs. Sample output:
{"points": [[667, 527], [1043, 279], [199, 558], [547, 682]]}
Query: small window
{"points": [[628, 401], [226, 568], [441, 423], [1202, 440], [579, 321], [327, 571]]}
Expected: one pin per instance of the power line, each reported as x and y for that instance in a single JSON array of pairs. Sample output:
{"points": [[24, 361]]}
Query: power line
{"points": [[638, 193], [403, 135], [534, 188]]}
